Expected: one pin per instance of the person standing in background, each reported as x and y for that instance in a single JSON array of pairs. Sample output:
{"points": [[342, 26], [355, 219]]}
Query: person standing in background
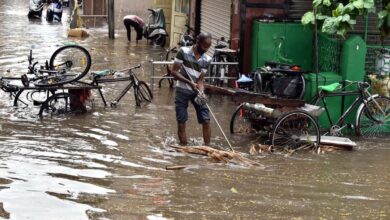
{"points": [[137, 23]]}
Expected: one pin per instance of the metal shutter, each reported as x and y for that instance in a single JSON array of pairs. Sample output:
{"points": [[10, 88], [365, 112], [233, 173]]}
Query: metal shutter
{"points": [[216, 19], [299, 8]]}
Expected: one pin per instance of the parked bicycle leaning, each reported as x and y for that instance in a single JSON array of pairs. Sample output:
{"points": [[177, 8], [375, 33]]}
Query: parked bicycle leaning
{"points": [[187, 39], [222, 54]]}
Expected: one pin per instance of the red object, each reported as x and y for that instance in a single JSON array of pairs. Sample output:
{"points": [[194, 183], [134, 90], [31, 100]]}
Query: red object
{"points": [[296, 68]]}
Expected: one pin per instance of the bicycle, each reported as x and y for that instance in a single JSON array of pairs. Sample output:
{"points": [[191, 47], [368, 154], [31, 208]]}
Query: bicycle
{"points": [[222, 54], [373, 114], [142, 91], [67, 64]]}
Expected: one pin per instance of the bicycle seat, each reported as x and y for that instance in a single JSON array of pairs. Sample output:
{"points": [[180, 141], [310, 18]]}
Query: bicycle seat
{"points": [[330, 88]]}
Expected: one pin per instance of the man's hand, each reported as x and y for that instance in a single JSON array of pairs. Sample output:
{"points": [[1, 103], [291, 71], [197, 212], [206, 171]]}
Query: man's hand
{"points": [[194, 86]]}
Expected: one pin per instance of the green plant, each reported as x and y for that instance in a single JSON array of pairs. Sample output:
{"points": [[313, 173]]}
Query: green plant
{"points": [[337, 17], [384, 19]]}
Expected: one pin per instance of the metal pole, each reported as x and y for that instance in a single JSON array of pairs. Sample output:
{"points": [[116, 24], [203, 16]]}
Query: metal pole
{"points": [[73, 14], [111, 19], [316, 55]]}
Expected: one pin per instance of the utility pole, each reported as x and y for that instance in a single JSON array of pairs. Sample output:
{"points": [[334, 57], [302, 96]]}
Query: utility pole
{"points": [[111, 19]]}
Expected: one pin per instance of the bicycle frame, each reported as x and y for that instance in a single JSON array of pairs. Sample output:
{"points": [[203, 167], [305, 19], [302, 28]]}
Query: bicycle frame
{"points": [[132, 79], [363, 98]]}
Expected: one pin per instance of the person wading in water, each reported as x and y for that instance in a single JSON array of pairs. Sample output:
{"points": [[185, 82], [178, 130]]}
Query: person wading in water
{"points": [[192, 62], [137, 23]]}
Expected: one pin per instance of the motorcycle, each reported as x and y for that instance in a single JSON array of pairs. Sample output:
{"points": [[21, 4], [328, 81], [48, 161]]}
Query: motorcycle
{"points": [[35, 9], [156, 29], [54, 11]]}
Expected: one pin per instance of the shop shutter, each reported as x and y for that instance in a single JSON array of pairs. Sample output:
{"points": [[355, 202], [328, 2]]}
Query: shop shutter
{"points": [[216, 19]]}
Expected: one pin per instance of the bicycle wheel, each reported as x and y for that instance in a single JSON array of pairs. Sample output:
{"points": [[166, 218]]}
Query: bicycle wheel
{"points": [[144, 92], [214, 71], [61, 104], [258, 82], [71, 63], [372, 121], [169, 56], [296, 130]]}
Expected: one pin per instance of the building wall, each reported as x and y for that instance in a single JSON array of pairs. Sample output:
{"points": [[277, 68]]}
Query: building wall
{"points": [[122, 8], [135, 7]]}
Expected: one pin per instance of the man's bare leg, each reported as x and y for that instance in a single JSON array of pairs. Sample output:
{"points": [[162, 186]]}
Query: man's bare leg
{"points": [[181, 132], [206, 133]]}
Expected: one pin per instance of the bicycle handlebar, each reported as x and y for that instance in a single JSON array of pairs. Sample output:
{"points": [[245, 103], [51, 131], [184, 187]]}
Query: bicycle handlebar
{"points": [[131, 68]]}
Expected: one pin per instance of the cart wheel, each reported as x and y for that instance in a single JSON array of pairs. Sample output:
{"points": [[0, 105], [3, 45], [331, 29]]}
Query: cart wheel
{"points": [[61, 104], [245, 121], [144, 92], [296, 130]]}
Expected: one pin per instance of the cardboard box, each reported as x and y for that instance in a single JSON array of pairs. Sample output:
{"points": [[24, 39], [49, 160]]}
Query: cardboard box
{"points": [[78, 32]]}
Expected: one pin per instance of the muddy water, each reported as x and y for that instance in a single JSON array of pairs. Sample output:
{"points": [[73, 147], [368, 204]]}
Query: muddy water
{"points": [[109, 163]]}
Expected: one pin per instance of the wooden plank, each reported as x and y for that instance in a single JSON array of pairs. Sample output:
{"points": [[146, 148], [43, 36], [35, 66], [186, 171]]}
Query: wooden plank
{"points": [[240, 95]]}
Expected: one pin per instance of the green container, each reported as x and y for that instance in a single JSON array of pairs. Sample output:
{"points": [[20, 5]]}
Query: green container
{"points": [[297, 43], [352, 68], [333, 103]]}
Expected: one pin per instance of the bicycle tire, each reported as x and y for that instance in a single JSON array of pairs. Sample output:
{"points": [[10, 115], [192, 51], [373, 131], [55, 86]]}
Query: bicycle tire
{"points": [[137, 96], [258, 83], [144, 92], [370, 125], [57, 61], [291, 131]]}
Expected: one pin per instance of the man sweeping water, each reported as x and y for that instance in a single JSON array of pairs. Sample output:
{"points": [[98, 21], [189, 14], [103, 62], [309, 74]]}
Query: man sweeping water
{"points": [[189, 69]]}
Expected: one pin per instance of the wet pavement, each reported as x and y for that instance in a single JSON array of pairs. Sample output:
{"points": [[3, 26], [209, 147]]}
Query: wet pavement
{"points": [[110, 163]]}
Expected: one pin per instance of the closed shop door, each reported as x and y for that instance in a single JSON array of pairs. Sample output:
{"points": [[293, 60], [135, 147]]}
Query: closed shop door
{"points": [[216, 19]]}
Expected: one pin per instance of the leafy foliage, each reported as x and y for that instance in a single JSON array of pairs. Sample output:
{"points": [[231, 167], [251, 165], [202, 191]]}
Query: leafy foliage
{"points": [[338, 17]]}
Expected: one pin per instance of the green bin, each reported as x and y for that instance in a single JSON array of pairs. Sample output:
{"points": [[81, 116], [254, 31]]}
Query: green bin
{"points": [[333, 103], [353, 59], [297, 44]]}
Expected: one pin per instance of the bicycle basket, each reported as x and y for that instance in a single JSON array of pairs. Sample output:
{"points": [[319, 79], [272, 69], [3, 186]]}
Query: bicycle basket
{"points": [[285, 87]]}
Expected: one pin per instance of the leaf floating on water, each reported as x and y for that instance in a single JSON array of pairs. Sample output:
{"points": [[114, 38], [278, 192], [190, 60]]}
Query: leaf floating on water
{"points": [[233, 190]]}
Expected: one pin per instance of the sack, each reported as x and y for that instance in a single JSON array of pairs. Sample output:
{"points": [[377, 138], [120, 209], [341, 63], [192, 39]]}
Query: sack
{"points": [[285, 87]]}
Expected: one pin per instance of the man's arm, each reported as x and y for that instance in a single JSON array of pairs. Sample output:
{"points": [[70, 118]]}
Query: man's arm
{"points": [[200, 81], [178, 76]]}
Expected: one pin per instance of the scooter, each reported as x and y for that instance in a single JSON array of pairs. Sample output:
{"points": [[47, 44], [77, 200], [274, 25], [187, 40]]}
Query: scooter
{"points": [[54, 11], [35, 9], [156, 29]]}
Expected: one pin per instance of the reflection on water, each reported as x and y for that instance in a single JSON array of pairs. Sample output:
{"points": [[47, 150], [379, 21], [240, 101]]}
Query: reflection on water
{"points": [[110, 163]]}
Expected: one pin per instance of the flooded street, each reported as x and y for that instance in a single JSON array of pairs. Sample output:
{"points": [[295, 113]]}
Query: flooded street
{"points": [[110, 163]]}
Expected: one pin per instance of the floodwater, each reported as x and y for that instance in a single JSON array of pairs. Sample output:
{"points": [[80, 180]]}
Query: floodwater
{"points": [[110, 163]]}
